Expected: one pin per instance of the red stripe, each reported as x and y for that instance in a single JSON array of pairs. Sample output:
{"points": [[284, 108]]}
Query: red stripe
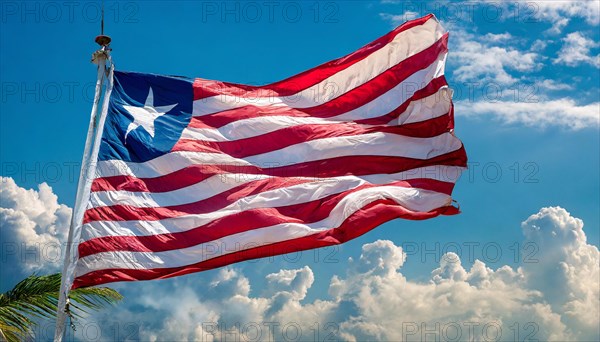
{"points": [[432, 87], [175, 180], [451, 115], [289, 136], [292, 85], [382, 83], [357, 224], [343, 103], [223, 118], [334, 167], [304, 213], [214, 203], [123, 212]]}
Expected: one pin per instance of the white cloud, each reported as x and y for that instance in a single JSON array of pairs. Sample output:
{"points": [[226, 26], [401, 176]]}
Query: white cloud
{"points": [[576, 50], [294, 283], [398, 19], [568, 271], [489, 57], [554, 299], [552, 85], [539, 45], [557, 12], [494, 59], [479, 59], [558, 25], [561, 11], [373, 300], [33, 225], [563, 112], [493, 38]]}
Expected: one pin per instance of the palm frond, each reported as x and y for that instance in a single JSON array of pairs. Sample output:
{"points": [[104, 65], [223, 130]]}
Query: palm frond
{"points": [[9, 333], [37, 297]]}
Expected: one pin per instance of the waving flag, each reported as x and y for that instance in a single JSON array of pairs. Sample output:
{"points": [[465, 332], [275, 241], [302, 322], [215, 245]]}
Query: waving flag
{"points": [[197, 174]]}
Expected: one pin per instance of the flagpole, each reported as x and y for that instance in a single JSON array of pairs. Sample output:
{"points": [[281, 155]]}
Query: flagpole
{"points": [[86, 174]]}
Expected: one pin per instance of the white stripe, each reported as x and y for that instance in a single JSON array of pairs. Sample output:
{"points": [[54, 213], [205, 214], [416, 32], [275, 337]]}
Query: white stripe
{"points": [[292, 195], [248, 128], [410, 198], [427, 108], [221, 183], [189, 194], [384, 104], [404, 45], [394, 97], [295, 194], [378, 144], [375, 144]]}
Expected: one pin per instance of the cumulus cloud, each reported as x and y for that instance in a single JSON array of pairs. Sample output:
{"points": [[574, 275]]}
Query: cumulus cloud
{"points": [[33, 225], [563, 11], [501, 37], [494, 61], [482, 59], [568, 272], [558, 13], [539, 45], [576, 50], [552, 85], [398, 19], [553, 299], [558, 26], [541, 113], [490, 59]]}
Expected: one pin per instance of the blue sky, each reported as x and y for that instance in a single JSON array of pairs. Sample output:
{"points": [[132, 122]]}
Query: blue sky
{"points": [[526, 80]]}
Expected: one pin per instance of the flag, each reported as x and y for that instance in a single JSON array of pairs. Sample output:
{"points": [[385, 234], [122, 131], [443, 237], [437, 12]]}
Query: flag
{"points": [[194, 174]]}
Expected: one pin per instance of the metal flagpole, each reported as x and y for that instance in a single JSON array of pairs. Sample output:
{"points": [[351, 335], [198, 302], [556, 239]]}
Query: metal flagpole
{"points": [[86, 175]]}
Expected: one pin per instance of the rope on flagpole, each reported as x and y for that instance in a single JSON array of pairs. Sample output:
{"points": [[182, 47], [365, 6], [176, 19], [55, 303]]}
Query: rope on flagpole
{"points": [[88, 168]]}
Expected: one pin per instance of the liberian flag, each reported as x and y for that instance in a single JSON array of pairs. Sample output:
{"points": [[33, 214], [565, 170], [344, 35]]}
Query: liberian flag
{"points": [[194, 174]]}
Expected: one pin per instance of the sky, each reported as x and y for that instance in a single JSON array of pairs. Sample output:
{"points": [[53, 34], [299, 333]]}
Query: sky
{"points": [[520, 262]]}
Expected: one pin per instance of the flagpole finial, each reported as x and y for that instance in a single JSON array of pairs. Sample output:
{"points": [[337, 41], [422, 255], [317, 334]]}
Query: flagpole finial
{"points": [[103, 40], [104, 51]]}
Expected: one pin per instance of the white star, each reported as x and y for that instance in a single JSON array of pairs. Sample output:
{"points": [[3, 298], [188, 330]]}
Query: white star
{"points": [[145, 116]]}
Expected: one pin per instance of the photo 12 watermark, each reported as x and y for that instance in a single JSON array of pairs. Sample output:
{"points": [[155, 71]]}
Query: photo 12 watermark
{"points": [[70, 12], [487, 251], [455, 331], [270, 331], [324, 12], [82, 329]]}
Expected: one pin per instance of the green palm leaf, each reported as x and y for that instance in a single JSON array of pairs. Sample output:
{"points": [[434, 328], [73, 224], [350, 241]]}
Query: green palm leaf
{"points": [[37, 297]]}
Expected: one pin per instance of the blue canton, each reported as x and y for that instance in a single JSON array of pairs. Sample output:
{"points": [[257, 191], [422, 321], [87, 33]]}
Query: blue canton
{"points": [[146, 115]]}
